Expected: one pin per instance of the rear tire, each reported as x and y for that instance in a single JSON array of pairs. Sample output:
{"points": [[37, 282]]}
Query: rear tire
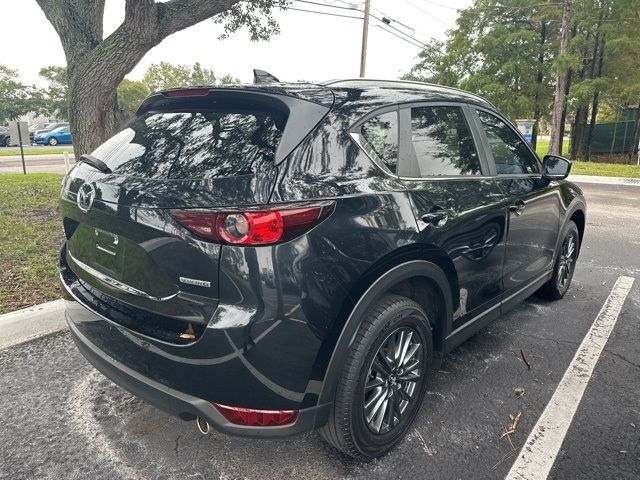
{"points": [[565, 264], [386, 367]]}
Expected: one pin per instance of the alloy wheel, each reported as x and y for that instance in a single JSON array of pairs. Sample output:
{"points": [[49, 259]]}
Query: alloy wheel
{"points": [[566, 261], [393, 379]]}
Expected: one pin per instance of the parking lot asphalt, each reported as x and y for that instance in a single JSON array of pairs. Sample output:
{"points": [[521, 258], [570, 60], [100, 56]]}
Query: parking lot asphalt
{"points": [[62, 419]]}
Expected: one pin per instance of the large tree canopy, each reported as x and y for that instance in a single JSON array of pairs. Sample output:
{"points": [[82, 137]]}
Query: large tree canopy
{"points": [[164, 75], [16, 98], [53, 100], [500, 49], [507, 51], [55, 97], [97, 65]]}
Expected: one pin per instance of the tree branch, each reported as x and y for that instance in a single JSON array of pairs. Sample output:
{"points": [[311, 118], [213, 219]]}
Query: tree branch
{"points": [[145, 25], [77, 23], [177, 15]]}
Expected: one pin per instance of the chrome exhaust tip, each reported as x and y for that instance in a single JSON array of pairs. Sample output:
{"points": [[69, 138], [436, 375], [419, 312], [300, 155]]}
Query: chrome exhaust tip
{"points": [[203, 426]]}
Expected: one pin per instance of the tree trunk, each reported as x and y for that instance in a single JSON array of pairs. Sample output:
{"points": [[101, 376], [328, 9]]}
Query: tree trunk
{"points": [[96, 66], [596, 71], [94, 115], [577, 132], [592, 124], [561, 79], [615, 132], [563, 119], [539, 78], [635, 136], [567, 89]]}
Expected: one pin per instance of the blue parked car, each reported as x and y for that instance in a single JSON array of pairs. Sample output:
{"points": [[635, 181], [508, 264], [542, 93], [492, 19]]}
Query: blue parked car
{"points": [[54, 137]]}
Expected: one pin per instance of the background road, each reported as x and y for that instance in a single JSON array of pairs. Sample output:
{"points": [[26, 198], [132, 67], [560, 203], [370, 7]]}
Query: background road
{"points": [[62, 419], [44, 163]]}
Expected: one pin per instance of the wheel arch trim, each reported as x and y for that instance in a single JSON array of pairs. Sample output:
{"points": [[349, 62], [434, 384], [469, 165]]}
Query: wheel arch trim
{"points": [[403, 271], [575, 207]]}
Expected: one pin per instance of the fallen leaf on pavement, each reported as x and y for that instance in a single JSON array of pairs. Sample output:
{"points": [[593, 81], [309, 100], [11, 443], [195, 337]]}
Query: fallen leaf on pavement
{"points": [[515, 420]]}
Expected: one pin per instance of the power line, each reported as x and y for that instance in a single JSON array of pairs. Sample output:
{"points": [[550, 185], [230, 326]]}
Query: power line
{"points": [[385, 20], [410, 40], [401, 38], [323, 13], [413, 30], [490, 7], [441, 5], [425, 12], [388, 17], [400, 32], [329, 6], [331, 2]]}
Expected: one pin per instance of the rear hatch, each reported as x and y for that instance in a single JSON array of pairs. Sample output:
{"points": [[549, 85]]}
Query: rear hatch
{"points": [[197, 148]]}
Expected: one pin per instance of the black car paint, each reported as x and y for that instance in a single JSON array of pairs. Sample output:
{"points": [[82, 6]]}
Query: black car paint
{"points": [[273, 329]]}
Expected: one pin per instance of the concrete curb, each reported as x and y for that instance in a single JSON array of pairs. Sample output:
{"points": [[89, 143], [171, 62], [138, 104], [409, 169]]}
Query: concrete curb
{"points": [[30, 323], [632, 182]]}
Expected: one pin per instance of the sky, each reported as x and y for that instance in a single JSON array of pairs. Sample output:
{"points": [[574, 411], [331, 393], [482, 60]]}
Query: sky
{"points": [[310, 47]]}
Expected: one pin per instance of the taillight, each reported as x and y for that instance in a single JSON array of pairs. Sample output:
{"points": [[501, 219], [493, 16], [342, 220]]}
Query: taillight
{"points": [[254, 226], [257, 418]]}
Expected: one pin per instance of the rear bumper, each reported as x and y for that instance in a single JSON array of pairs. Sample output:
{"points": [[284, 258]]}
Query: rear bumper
{"points": [[185, 406], [185, 380]]}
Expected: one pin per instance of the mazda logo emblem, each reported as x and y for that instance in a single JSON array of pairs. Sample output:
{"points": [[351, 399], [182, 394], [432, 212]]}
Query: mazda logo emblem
{"points": [[86, 195]]}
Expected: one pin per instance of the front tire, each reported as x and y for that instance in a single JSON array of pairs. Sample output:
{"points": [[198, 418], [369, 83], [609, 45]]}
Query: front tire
{"points": [[53, 141], [382, 384], [565, 264]]}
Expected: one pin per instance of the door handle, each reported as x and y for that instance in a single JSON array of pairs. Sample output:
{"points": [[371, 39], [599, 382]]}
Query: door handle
{"points": [[517, 207], [437, 216]]}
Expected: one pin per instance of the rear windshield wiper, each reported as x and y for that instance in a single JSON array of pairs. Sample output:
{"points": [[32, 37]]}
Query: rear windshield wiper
{"points": [[95, 163]]}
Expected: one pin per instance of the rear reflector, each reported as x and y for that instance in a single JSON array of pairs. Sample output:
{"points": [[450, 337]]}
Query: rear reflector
{"points": [[254, 226], [257, 418], [187, 92]]}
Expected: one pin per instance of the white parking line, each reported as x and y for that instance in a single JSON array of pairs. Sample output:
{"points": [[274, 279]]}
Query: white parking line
{"points": [[541, 448]]}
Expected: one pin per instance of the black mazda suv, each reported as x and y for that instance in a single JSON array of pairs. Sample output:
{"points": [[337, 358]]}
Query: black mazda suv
{"points": [[269, 259]]}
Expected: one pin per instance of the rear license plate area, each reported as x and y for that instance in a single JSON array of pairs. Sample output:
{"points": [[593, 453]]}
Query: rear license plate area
{"points": [[109, 252]]}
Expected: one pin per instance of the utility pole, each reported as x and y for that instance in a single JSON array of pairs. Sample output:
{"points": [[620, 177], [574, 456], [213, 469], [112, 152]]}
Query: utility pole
{"points": [[365, 34], [561, 79]]}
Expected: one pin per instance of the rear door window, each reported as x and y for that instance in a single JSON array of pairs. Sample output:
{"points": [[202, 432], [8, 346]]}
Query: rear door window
{"points": [[194, 144], [380, 136], [443, 142]]}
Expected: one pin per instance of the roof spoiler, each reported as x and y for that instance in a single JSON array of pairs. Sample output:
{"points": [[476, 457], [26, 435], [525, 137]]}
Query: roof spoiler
{"points": [[260, 76]]}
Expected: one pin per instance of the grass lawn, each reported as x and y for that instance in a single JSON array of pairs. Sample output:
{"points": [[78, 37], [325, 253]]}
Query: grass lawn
{"points": [[592, 168], [605, 169], [542, 147], [30, 238], [6, 152]]}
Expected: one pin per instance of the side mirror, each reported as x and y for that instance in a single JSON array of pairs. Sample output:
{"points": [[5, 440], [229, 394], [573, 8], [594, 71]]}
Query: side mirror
{"points": [[555, 167]]}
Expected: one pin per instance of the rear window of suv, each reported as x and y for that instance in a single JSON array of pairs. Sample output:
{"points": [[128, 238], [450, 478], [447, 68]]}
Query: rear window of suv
{"points": [[194, 144]]}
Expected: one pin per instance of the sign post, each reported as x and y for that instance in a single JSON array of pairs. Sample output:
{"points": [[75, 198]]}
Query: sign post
{"points": [[526, 128], [18, 131]]}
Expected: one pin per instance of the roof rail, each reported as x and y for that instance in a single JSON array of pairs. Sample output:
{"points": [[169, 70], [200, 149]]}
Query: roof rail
{"points": [[426, 84]]}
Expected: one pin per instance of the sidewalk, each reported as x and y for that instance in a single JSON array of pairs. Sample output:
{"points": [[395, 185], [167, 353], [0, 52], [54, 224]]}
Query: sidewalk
{"points": [[33, 322], [604, 180], [53, 163]]}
